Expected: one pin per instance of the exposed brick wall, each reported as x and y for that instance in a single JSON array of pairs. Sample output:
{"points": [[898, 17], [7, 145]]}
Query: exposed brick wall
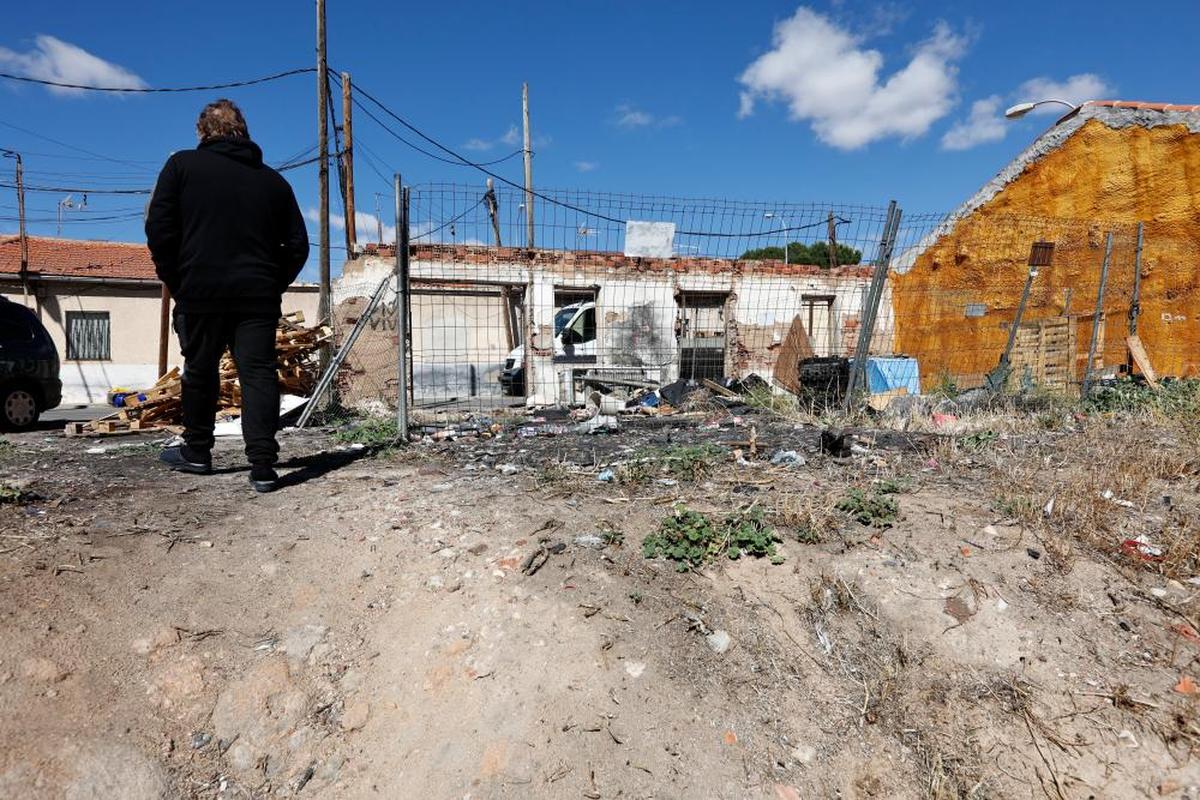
{"points": [[560, 260]]}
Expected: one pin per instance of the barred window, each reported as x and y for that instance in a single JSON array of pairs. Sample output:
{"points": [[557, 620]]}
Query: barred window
{"points": [[88, 336]]}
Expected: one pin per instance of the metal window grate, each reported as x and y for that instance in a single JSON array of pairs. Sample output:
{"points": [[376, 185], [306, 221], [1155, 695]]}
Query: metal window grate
{"points": [[88, 336]]}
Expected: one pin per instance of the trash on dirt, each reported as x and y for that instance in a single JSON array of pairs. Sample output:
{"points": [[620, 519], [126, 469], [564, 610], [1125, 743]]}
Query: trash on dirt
{"points": [[601, 423], [835, 442], [589, 540], [719, 641], [1108, 495], [606, 476], [1141, 548], [1186, 685], [788, 458]]}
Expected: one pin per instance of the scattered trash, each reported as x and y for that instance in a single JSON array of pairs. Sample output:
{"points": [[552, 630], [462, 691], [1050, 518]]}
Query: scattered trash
{"points": [[508, 469], [1033, 553], [789, 458], [1186, 685], [1141, 548], [1107, 494], [589, 540], [835, 442], [601, 423], [719, 641], [606, 476]]}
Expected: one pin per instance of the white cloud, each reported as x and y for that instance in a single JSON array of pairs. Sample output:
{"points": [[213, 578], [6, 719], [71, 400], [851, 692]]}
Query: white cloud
{"points": [[53, 59], [511, 137], [478, 145], [985, 124], [366, 226], [827, 78], [586, 166], [1075, 90], [630, 117]]}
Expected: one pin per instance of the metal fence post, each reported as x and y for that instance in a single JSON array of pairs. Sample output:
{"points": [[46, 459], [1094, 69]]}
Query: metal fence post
{"points": [[402, 355], [1135, 304], [1087, 372], [870, 309]]}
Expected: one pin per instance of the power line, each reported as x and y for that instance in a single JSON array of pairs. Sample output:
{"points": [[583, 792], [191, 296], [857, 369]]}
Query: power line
{"points": [[159, 90], [450, 222], [100, 156]]}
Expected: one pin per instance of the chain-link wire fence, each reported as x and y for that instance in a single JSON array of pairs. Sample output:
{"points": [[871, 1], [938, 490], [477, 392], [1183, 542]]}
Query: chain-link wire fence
{"points": [[624, 294]]}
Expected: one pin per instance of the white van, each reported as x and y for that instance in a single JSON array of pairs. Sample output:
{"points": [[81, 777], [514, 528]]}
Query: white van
{"points": [[574, 338]]}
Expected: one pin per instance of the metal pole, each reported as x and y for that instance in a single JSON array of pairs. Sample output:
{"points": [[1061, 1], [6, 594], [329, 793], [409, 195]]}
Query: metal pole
{"points": [[164, 330], [866, 329], [402, 203], [528, 167], [348, 166], [1135, 302], [24, 239], [323, 309], [1087, 372]]}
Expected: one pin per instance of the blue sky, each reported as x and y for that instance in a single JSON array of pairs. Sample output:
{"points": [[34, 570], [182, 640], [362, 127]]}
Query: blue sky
{"points": [[843, 101]]}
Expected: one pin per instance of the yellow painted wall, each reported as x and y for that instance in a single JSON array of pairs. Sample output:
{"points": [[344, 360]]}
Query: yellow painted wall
{"points": [[1112, 178]]}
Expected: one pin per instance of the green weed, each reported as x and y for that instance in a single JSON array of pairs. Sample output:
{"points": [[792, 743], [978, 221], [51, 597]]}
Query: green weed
{"points": [[870, 507], [691, 539]]}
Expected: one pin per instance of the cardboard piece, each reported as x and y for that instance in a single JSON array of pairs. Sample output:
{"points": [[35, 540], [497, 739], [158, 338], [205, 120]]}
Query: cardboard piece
{"points": [[796, 347]]}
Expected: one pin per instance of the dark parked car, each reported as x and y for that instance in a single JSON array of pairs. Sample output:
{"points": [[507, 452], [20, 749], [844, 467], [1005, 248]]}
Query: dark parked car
{"points": [[29, 382]]}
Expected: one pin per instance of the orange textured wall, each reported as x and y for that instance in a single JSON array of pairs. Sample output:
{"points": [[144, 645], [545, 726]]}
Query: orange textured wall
{"points": [[1112, 178]]}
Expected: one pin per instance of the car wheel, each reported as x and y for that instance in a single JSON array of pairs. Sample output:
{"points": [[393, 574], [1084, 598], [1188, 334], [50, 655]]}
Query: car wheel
{"points": [[18, 409]]}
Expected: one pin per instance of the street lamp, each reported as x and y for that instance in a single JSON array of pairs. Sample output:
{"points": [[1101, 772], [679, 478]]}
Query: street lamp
{"points": [[772, 215], [1021, 109]]}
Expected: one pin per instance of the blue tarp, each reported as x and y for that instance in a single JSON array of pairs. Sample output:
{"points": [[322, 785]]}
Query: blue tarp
{"points": [[886, 374]]}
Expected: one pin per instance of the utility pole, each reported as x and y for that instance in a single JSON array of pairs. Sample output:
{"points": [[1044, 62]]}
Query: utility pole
{"points": [[323, 309], [24, 239], [348, 167], [528, 167], [832, 236], [378, 219]]}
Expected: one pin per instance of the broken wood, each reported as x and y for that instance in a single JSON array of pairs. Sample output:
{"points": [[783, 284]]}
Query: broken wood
{"points": [[1142, 359], [717, 388], [796, 347], [160, 407]]}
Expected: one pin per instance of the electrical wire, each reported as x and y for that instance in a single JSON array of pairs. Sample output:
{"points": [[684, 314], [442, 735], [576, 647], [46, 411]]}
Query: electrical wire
{"points": [[158, 90], [464, 161], [448, 223]]}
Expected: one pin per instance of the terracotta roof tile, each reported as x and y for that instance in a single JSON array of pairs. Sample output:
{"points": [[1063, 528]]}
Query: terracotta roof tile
{"points": [[1139, 105], [77, 258]]}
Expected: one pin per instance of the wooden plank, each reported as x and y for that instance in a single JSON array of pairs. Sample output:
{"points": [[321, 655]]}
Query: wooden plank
{"points": [[713, 386], [796, 347], [1142, 359]]}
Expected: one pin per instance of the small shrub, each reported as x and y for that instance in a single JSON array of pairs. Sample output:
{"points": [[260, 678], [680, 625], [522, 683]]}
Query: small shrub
{"points": [[980, 440], [870, 508], [690, 539], [13, 494], [685, 537], [746, 532], [692, 462], [372, 432]]}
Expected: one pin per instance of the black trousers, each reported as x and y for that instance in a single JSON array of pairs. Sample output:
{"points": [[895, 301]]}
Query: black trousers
{"points": [[251, 338]]}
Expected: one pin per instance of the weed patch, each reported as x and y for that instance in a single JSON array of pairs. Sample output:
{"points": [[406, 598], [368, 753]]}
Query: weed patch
{"points": [[691, 539], [870, 507], [373, 432]]}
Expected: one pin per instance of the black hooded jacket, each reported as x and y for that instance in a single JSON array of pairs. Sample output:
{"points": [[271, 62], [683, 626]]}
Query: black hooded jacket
{"points": [[224, 230]]}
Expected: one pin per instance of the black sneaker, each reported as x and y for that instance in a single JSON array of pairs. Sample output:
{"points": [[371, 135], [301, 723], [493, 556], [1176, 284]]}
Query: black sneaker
{"points": [[184, 459], [263, 479]]}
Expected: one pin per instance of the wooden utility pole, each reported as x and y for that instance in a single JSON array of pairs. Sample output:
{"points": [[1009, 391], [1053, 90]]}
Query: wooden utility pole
{"points": [[323, 310], [21, 235], [164, 330], [348, 166], [493, 207], [378, 220], [528, 167]]}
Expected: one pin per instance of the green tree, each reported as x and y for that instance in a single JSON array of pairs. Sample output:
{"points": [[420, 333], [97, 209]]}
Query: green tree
{"points": [[816, 254]]}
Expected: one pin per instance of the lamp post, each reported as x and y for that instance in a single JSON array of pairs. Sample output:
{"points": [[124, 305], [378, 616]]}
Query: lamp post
{"points": [[1021, 109]]}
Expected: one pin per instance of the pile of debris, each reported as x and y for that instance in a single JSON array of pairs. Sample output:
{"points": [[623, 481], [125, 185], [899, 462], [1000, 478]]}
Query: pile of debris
{"points": [[161, 407]]}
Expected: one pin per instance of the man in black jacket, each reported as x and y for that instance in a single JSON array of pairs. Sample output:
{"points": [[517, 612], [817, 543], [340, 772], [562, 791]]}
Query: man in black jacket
{"points": [[227, 238]]}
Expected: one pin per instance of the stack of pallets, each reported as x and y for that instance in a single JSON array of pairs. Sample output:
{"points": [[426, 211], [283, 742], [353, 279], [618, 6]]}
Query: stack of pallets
{"points": [[161, 407]]}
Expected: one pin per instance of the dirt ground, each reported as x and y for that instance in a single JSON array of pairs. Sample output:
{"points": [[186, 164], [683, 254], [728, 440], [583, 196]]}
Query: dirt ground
{"points": [[475, 618]]}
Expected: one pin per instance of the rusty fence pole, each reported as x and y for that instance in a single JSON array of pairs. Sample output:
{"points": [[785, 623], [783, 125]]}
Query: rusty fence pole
{"points": [[1091, 357], [164, 329], [1135, 303], [870, 309], [402, 266]]}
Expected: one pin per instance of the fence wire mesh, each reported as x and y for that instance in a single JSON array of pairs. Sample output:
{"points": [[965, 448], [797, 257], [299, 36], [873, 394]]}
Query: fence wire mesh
{"points": [[624, 293]]}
